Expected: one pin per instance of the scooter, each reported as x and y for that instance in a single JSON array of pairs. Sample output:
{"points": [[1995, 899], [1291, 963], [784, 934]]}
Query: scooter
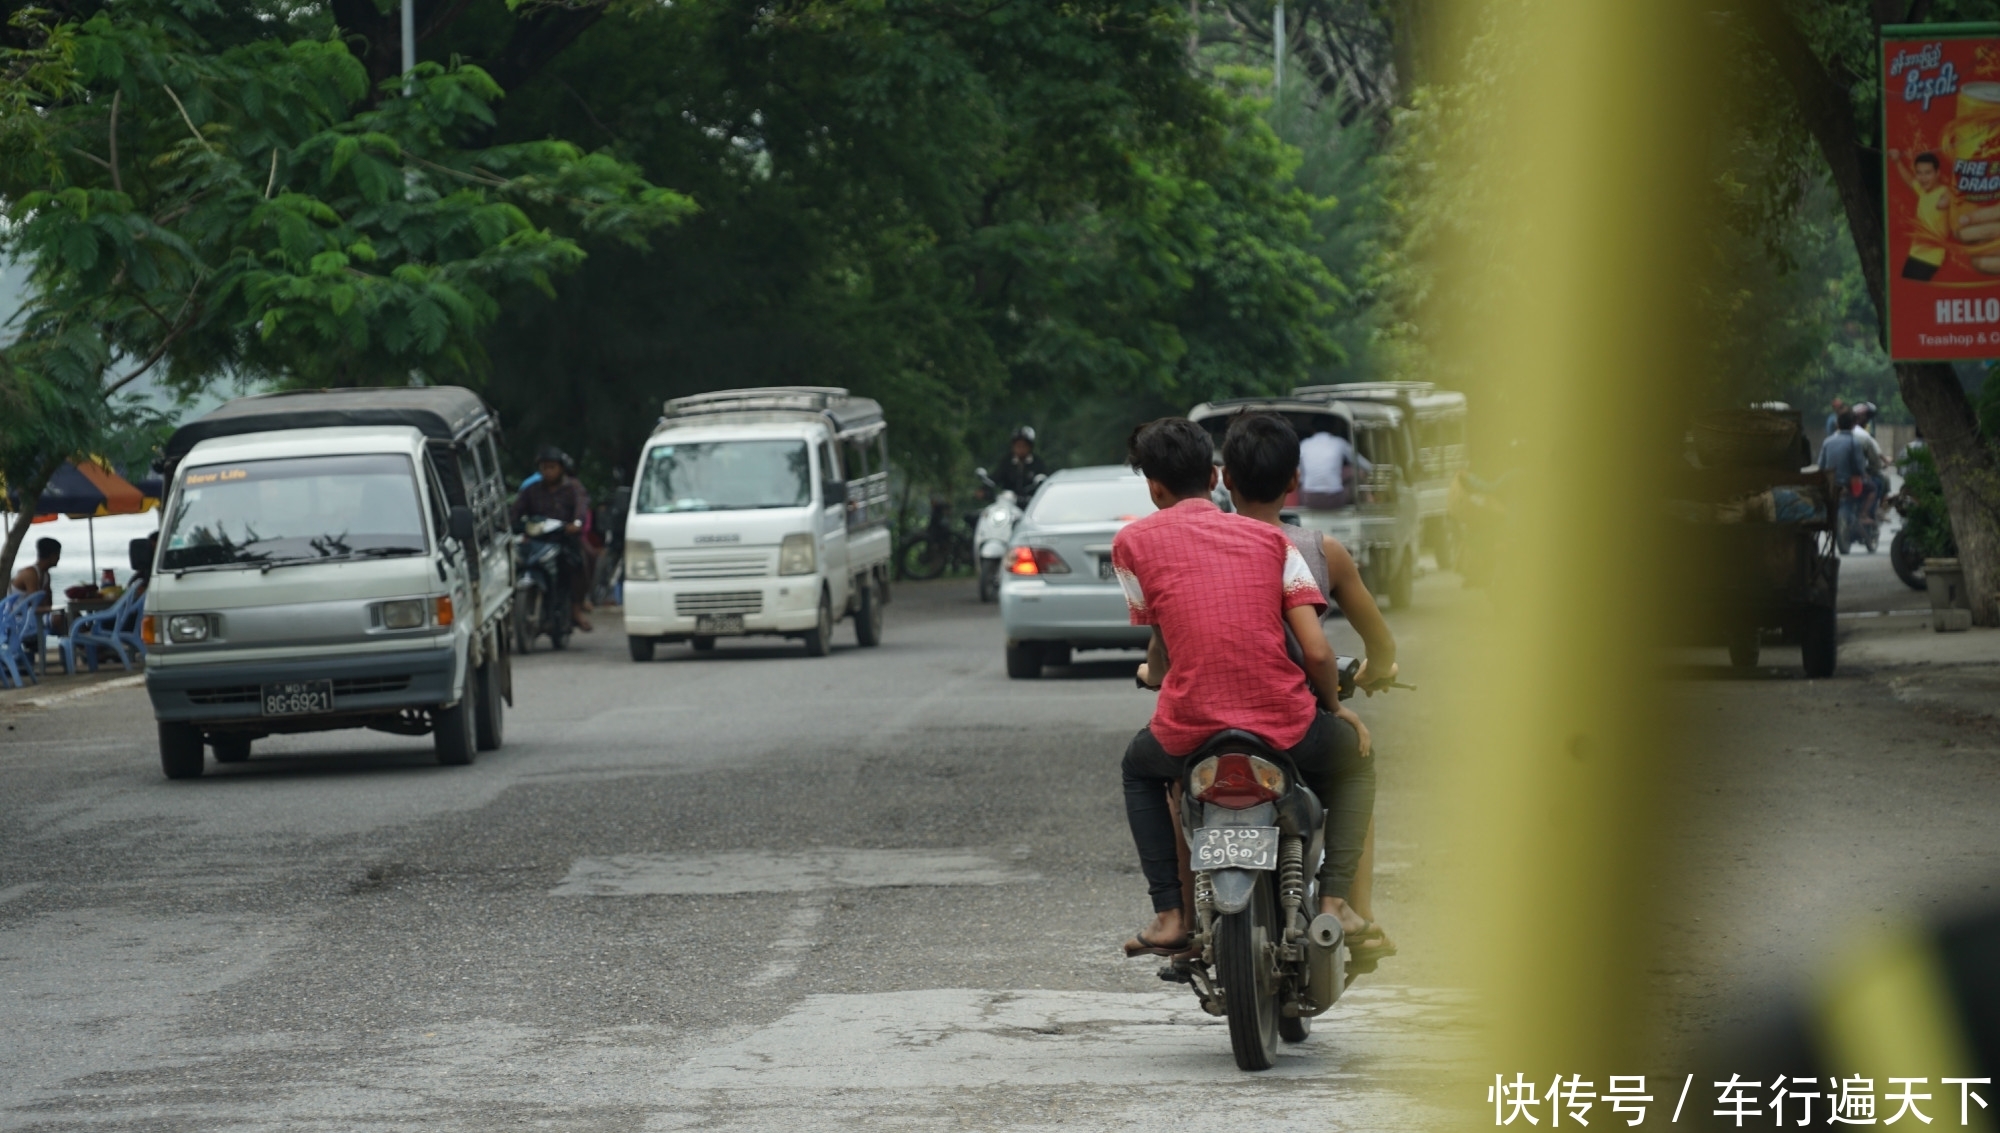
{"points": [[995, 527], [1253, 837], [540, 605]]}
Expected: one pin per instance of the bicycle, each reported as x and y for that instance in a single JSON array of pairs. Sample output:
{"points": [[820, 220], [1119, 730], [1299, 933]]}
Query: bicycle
{"points": [[938, 548]]}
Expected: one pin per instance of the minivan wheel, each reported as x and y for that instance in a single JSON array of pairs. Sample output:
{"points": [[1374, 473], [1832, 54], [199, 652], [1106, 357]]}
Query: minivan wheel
{"points": [[819, 639], [452, 728], [1024, 660], [702, 644], [1403, 584], [641, 648], [181, 754], [230, 748]]}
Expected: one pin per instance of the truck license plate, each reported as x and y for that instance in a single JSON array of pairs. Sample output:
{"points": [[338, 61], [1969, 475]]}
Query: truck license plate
{"points": [[718, 625], [1235, 847], [298, 698]]}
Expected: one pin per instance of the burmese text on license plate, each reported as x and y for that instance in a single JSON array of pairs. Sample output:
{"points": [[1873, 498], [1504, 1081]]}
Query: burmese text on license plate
{"points": [[718, 624], [1235, 847]]}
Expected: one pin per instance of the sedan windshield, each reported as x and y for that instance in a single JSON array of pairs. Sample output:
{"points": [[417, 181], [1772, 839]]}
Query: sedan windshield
{"points": [[1091, 501], [302, 509], [725, 476]]}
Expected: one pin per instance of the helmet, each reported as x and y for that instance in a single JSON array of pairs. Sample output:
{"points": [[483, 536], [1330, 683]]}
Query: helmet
{"points": [[1024, 433], [552, 454]]}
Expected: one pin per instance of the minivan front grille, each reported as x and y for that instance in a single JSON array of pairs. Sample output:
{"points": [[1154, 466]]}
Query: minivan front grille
{"points": [[724, 602], [735, 565], [362, 686], [224, 694]]}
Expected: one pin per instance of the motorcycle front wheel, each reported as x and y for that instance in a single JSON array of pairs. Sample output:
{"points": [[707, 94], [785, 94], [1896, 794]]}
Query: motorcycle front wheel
{"points": [[527, 620], [1249, 990]]}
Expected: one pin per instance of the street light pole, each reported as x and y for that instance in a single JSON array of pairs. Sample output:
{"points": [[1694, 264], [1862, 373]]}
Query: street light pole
{"points": [[1277, 51], [409, 42]]}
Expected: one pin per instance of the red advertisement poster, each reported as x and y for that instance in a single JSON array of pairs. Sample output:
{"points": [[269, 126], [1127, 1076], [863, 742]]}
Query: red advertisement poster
{"points": [[1941, 135]]}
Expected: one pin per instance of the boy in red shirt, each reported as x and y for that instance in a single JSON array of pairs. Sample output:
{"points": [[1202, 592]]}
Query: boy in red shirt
{"points": [[1219, 590]]}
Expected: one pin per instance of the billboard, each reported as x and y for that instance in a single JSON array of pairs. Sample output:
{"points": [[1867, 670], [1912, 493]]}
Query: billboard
{"points": [[1941, 190]]}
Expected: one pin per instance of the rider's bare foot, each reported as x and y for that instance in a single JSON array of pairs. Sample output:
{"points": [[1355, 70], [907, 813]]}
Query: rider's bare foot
{"points": [[582, 623], [1166, 934]]}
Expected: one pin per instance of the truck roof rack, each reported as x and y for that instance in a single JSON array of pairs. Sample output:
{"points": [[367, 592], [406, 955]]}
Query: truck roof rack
{"points": [[848, 414], [440, 413]]}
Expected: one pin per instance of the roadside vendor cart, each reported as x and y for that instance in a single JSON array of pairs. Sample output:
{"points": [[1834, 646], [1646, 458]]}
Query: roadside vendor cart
{"points": [[1758, 520]]}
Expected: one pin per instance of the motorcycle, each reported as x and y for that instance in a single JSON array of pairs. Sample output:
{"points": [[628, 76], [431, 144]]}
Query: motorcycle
{"points": [[541, 606], [1254, 834], [1860, 517], [995, 527]]}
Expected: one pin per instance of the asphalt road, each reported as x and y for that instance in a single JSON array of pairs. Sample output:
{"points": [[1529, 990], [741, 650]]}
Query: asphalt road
{"points": [[749, 890]]}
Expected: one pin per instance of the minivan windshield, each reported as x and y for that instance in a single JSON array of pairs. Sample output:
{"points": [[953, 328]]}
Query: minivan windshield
{"points": [[725, 476], [295, 509], [1091, 501]]}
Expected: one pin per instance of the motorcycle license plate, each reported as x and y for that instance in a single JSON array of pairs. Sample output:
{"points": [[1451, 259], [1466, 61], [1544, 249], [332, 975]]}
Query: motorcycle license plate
{"points": [[298, 698], [1104, 570], [1235, 847], [718, 625]]}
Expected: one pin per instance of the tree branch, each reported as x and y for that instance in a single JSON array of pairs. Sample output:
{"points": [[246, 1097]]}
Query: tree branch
{"points": [[117, 182], [271, 182], [159, 351], [184, 113]]}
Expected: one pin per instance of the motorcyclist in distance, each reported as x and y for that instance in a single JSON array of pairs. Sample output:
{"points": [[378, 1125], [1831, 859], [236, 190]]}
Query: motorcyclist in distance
{"points": [[1022, 468], [558, 495]]}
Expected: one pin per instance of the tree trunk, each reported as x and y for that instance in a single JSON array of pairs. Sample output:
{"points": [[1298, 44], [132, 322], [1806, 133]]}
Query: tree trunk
{"points": [[1965, 462], [23, 520], [1971, 476]]}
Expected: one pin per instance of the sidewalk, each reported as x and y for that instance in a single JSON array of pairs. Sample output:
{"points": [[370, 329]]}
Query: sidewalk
{"points": [[1886, 635]]}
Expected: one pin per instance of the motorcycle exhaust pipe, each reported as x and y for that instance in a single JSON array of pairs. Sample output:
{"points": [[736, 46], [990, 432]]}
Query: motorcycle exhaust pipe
{"points": [[1326, 967]]}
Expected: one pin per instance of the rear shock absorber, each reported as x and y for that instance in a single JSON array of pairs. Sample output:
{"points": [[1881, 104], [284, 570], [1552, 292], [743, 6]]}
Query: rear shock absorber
{"points": [[1291, 883]]}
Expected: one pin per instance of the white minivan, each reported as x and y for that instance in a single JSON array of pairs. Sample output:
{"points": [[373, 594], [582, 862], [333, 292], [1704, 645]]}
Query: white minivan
{"points": [[331, 559], [759, 511]]}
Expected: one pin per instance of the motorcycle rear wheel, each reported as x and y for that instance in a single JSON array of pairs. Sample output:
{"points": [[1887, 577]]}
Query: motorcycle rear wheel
{"points": [[527, 620], [925, 558], [1907, 559], [1250, 994]]}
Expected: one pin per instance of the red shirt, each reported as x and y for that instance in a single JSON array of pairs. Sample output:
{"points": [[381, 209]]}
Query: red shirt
{"points": [[1217, 586]]}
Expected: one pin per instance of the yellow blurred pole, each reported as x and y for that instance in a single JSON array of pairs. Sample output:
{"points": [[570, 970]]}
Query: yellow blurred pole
{"points": [[1559, 737]]}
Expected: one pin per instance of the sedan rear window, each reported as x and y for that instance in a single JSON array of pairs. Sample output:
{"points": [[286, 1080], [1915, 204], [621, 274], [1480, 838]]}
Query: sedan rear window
{"points": [[1091, 501]]}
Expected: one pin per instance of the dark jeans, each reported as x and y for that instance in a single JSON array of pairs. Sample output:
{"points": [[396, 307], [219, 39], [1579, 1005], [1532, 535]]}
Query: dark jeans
{"points": [[1330, 760]]}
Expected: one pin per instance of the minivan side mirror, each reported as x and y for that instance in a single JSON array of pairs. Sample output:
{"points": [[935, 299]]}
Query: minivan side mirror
{"points": [[464, 532], [833, 492]]}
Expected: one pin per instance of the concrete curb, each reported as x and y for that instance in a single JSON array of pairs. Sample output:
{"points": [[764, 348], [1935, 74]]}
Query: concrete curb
{"points": [[53, 699]]}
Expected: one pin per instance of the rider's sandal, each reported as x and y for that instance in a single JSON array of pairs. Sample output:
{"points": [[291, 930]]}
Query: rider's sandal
{"points": [[1140, 946]]}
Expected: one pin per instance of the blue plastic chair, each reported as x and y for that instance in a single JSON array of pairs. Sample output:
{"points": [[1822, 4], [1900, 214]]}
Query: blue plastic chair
{"points": [[115, 628], [19, 621]]}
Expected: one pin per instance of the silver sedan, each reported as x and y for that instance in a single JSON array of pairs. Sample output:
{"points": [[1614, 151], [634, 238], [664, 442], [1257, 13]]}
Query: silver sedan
{"points": [[1057, 589]]}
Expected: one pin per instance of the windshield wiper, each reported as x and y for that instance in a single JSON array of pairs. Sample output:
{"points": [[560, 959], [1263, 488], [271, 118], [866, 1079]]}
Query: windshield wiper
{"points": [[386, 552], [343, 557], [233, 564]]}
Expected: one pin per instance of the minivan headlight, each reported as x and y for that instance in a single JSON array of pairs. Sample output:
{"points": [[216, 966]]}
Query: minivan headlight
{"points": [[796, 555], [408, 613], [639, 564], [188, 627]]}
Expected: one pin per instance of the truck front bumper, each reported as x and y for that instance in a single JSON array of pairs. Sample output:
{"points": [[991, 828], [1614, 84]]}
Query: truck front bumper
{"points": [[767, 605], [364, 685]]}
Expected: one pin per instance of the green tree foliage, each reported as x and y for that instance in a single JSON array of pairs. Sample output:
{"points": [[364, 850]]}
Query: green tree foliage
{"points": [[258, 210], [979, 214]]}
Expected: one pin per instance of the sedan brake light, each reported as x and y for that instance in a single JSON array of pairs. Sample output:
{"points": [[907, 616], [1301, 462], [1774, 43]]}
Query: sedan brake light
{"points": [[1036, 560]]}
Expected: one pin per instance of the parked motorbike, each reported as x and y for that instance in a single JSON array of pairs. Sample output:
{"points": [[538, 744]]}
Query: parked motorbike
{"points": [[541, 605], [1260, 954], [993, 531]]}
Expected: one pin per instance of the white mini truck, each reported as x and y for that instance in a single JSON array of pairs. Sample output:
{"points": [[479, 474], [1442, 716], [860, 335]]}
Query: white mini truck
{"points": [[759, 511], [331, 559]]}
